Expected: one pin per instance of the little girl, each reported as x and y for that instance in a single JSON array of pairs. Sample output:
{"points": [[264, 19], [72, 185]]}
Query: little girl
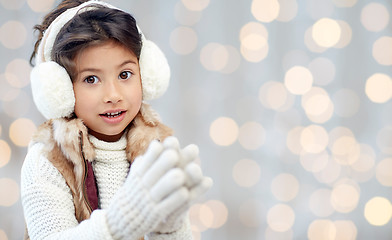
{"points": [[103, 166]]}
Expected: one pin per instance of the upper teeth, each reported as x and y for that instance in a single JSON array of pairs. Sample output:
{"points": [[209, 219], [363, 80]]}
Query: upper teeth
{"points": [[113, 114]]}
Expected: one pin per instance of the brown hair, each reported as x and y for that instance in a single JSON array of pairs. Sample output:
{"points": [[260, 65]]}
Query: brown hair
{"points": [[89, 28]]}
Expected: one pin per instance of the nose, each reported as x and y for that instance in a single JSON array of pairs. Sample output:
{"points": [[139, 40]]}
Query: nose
{"points": [[112, 92]]}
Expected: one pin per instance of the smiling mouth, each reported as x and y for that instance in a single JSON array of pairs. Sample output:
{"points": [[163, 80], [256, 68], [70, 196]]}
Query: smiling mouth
{"points": [[112, 115]]}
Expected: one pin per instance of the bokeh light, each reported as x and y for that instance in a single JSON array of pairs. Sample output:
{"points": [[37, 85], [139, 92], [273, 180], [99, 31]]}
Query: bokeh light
{"points": [[382, 50], [285, 187], [280, 217], [345, 196], [214, 56], [21, 131], [310, 42], [195, 216], [246, 173], [9, 192], [292, 140], [251, 135], [330, 173], [383, 173], [13, 34], [254, 41], [345, 35], [185, 16], [211, 214], [344, 3], [345, 230], [326, 32], [322, 229], [5, 153], [288, 10], [219, 213], [183, 40], [314, 139], [314, 162], [41, 6], [374, 17], [378, 88], [265, 10], [224, 131], [12, 5], [378, 211], [298, 80], [196, 5], [17, 73], [7, 91], [318, 105], [274, 95], [3, 235], [234, 60], [366, 160], [345, 150]]}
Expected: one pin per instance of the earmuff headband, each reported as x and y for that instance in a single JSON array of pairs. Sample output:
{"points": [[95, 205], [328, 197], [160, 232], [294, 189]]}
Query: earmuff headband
{"points": [[52, 87]]}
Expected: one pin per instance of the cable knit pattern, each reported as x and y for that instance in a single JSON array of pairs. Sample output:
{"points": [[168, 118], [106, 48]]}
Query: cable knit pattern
{"points": [[110, 166]]}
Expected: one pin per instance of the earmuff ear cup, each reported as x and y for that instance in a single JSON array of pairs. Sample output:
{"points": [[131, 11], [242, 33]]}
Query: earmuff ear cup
{"points": [[52, 90], [154, 70]]}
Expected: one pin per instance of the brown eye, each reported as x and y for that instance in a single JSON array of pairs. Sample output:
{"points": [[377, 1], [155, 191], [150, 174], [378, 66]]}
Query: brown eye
{"points": [[91, 79], [125, 75]]}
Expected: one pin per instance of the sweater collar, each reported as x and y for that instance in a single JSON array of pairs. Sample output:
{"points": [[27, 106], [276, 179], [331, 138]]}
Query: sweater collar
{"points": [[119, 145]]}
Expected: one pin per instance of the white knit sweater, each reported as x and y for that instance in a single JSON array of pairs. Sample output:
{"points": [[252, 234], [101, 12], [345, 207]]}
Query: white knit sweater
{"points": [[47, 200]]}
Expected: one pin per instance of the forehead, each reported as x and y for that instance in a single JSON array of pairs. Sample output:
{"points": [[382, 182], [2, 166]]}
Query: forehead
{"points": [[105, 47], [104, 53]]}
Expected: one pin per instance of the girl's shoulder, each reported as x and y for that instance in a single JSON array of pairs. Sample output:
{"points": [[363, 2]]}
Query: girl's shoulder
{"points": [[37, 170]]}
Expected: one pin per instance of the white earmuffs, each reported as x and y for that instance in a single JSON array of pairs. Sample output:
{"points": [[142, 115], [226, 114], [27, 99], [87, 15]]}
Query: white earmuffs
{"points": [[52, 86]]}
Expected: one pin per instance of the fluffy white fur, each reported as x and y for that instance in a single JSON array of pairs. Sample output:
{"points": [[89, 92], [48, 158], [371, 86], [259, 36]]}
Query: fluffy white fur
{"points": [[154, 70], [52, 90], [52, 87]]}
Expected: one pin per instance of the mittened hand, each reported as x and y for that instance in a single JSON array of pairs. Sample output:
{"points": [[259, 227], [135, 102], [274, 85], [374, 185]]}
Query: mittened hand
{"points": [[188, 156], [153, 190], [195, 182]]}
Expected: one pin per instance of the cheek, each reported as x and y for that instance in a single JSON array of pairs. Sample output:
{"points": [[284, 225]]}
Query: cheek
{"points": [[136, 92], [81, 100]]}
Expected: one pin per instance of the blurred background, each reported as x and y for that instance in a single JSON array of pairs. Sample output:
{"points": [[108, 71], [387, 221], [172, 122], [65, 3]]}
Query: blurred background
{"points": [[288, 100]]}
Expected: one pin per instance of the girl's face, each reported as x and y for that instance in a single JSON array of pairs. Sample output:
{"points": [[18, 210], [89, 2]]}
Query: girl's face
{"points": [[107, 88]]}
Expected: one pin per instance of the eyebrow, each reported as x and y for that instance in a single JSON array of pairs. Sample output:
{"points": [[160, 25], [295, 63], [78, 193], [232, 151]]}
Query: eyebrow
{"points": [[99, 70]]}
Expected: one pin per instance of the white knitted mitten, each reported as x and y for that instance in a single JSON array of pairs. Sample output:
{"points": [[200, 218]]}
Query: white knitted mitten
{"points": [[151, 192], [196, 183]]}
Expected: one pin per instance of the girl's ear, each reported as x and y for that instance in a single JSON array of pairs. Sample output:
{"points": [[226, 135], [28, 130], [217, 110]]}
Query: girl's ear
{"points": [[52, 90]]}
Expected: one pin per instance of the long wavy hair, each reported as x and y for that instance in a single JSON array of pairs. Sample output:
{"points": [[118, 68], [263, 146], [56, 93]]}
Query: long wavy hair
{"points": [[86, 29]]}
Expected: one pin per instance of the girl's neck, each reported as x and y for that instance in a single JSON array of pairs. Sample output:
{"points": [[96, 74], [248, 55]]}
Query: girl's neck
{"points": [[106, 138]]}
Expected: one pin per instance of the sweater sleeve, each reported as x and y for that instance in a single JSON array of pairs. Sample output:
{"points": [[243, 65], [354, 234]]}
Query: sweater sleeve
{"points": [[48, 204]]}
